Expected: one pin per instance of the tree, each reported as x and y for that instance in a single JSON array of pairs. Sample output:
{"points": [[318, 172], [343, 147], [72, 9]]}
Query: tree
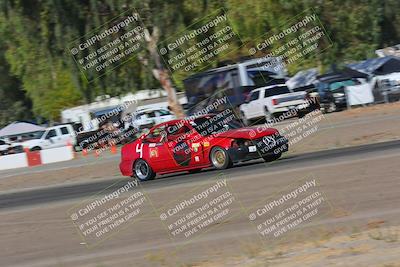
{"points": [[35, 37], [161, 74]]}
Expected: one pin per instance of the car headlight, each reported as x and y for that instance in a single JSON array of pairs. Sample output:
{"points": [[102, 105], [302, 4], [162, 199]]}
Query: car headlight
{"points": [[338, 95]]}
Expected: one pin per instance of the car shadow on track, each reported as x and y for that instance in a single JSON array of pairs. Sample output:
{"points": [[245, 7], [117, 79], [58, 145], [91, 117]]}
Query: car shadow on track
{"points": [[211, 170]]}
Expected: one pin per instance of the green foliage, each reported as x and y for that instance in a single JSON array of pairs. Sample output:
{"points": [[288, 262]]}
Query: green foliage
{"points": [[37, 67]]}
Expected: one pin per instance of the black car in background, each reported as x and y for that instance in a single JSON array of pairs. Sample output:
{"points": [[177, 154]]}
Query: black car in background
{"points": [[9, 148], [331, 88]]}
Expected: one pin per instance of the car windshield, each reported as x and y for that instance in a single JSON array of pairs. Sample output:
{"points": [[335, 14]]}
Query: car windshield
{"points": [[259, 78], [140, 116], [214, 124], [35, 135], [164, 112], [279, 90], [336, 85]]}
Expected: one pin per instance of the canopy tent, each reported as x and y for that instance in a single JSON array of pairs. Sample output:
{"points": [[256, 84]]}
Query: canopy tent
{"points": [[344, 74], [303, 78], [389, 51], [306, 79], [17, 128], [377, 66]]}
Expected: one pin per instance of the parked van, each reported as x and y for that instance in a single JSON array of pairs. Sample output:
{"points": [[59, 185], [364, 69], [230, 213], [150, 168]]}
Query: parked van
{"points": [[234, 81]]}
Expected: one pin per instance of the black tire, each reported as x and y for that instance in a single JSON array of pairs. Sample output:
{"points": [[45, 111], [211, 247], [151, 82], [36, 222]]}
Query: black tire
{"points": [[220, 159], [36, 148], [143, 171], [245, 121], [332, 107], [273, 157], [195, 170], [268, 115]]}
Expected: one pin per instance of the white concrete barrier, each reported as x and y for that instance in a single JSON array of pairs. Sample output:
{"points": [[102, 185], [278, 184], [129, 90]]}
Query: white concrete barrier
{"points": [[56, 154], [13, 161], [36, 158]]}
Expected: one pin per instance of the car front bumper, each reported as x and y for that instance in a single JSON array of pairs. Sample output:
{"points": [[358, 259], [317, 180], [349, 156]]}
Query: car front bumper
{"points": [[299, 108]]}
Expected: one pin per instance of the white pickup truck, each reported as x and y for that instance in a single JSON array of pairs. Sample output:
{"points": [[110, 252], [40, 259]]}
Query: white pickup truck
{"points": [[266, 102], [56, 136], [147, 118]]}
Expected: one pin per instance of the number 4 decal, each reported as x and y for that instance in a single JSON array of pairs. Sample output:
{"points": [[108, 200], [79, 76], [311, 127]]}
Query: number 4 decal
{"points": [[139, 150]]}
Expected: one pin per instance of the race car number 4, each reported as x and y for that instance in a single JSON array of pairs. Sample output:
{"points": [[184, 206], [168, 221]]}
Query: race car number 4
{"points": [[139, 149]]}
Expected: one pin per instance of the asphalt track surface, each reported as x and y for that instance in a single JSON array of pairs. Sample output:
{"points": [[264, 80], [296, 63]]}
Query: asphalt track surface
{"points": [[29, 197]]}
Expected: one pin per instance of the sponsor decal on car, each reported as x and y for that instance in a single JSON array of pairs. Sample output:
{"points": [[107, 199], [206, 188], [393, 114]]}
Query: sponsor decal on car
{"points": [[153, 152], [269, 141], [195, 147]]}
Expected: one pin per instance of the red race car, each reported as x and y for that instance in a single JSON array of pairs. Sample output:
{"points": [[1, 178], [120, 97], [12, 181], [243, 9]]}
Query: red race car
{"points": [[193, 144]]}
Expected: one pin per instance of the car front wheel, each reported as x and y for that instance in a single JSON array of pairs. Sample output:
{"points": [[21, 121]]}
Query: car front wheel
{"points": [[220, 158], [143, 171]]}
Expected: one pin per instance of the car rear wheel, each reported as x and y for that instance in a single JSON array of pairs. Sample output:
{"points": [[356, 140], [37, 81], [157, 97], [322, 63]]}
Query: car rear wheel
{"points": [[273, 157], [220, 158], [301, 114], [330, 107], [143, 171]]}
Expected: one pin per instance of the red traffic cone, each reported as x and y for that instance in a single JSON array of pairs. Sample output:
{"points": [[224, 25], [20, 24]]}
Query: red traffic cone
{"points": [[113, 149]]}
